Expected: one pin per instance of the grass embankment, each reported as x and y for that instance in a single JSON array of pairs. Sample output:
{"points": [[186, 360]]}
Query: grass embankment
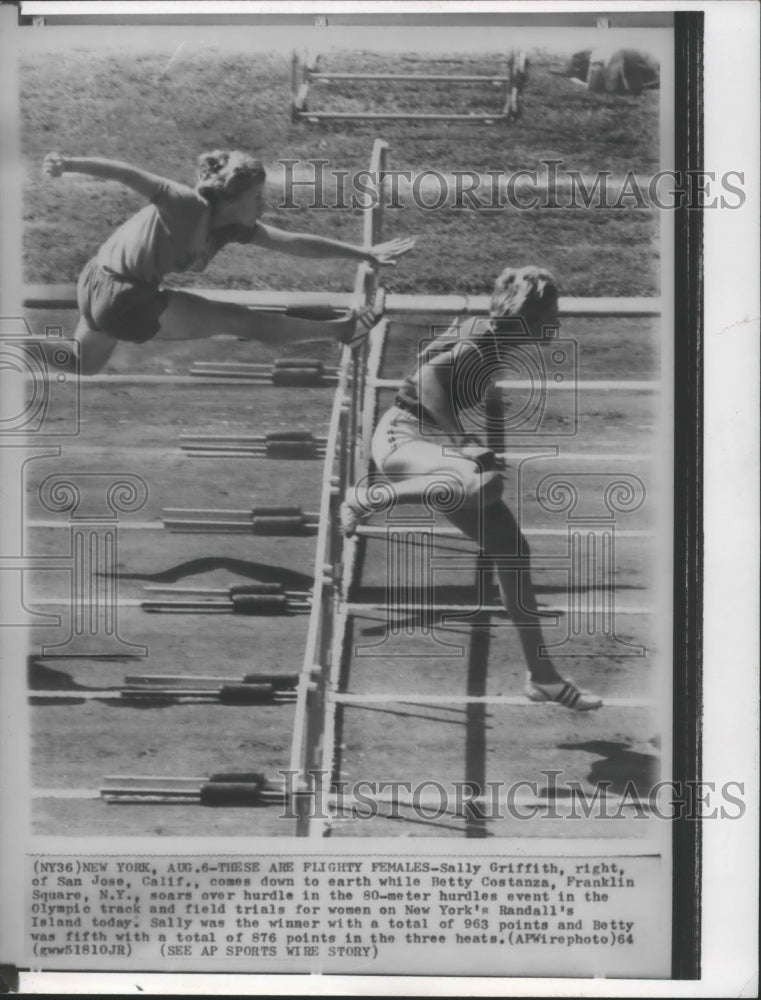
{"points": [[161, 114]]}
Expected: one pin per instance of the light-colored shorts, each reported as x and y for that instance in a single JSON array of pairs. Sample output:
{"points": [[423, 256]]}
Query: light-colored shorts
{"points": [[398, 427], [118, 306]]}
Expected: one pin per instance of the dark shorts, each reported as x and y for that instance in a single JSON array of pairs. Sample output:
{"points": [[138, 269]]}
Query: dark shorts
{"points": [[118, 306]]}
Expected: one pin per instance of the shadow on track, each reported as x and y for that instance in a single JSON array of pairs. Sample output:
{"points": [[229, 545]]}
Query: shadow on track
{"points": [[620, 765], [260, 572]]}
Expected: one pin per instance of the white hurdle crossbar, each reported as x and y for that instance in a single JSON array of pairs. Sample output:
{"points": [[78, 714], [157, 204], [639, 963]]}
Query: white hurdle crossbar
{"points": [[64, 296], [312, 737]]}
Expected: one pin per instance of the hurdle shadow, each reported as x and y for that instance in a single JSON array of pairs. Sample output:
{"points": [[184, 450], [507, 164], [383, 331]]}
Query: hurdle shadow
{"points": [[249, 569], [403, 713], [625, 769], [40, 677], [381, 628]]}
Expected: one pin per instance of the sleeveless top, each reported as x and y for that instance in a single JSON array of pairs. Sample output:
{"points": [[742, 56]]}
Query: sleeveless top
{"points": [[473, 351], [172, 234]]}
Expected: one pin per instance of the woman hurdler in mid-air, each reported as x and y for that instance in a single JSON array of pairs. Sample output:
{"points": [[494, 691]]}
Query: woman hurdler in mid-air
{"points": [[120, 293], [422, 436]]}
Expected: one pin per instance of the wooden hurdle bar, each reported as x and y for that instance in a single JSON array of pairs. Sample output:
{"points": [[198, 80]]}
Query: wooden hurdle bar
{"points": [[310, 708], [306, 72], [235, 589], [253, 789], [284, 372], [249, 788], [292, 444], [64, 296], [252, 605], [236, 604], [326, 636], [278, 521], [144, 689]]}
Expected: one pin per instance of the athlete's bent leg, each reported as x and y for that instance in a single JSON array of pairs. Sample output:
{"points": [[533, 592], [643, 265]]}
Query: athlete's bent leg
{"points": [[416, 473]]}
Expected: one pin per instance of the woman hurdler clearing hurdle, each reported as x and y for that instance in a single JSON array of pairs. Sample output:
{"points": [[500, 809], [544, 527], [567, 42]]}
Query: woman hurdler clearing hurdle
{"points": [[119, 291], [422, 435]]}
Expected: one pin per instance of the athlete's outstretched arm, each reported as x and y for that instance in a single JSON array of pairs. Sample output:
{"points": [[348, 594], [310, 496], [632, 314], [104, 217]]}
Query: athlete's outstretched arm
{"points": [[142, 181], [306, 245]]}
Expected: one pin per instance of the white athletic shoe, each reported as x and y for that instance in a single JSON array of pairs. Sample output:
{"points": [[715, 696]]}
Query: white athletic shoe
{"points": [[563, 693]]}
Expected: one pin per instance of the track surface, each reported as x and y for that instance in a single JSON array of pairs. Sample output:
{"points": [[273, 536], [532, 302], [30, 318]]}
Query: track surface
{"points": [[135, 429]]}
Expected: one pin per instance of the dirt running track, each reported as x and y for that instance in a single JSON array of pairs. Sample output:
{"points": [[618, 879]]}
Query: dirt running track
{"points": [[135, 429]]}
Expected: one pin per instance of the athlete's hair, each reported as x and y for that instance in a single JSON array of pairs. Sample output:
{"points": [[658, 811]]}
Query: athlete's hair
{"points": [[224, 174], [518, 291], [530, 292]]}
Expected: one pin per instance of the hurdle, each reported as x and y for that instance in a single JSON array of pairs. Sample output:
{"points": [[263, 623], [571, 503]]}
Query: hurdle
{"points": [[326, 633], [277, 521], [163, 689], [271, 589], [508, 82], [236, 604], [290, 444], [397, 304], [284, 372], [253, 789], [248, 788], [261, 688], [150, 682]]}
